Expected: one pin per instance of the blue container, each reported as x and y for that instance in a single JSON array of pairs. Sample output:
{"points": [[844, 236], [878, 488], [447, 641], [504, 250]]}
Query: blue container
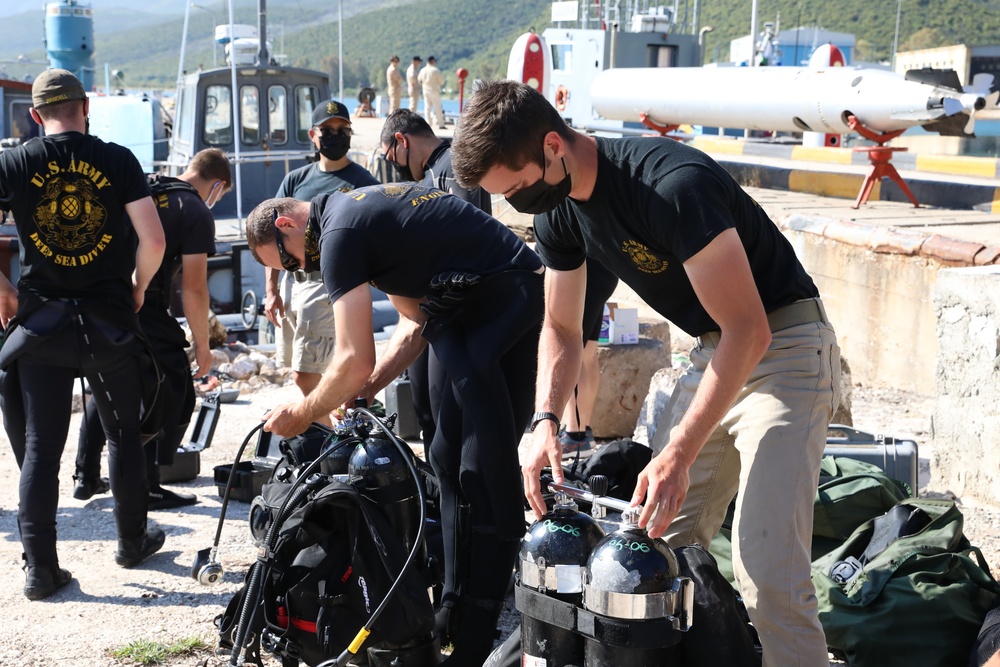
{"points": [[69, 38]]}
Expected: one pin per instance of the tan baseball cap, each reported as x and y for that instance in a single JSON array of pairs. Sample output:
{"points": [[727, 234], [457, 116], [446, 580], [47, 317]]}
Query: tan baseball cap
{"points": [[56, 85]]}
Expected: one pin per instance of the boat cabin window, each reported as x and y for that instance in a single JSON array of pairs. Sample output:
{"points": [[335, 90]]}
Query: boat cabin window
{"points": [[306, 99], [249, 115], [218, 116], [22, 126], [277, 118], [562, 57]]}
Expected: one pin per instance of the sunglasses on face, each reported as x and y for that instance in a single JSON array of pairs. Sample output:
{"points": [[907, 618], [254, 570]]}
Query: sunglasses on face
{"points": [[288, 263]]}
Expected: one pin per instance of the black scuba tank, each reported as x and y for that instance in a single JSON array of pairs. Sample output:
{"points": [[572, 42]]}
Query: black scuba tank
{"points": [[633, 589], [552, 561], [377, 469]]}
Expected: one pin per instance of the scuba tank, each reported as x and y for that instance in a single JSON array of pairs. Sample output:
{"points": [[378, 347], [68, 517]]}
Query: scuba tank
{"points": [[632, 582], [376, 468], [337, 462], [551, 561]]}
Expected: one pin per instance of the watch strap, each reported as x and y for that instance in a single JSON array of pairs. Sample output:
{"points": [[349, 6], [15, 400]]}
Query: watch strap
{"points": [[539, 417]]}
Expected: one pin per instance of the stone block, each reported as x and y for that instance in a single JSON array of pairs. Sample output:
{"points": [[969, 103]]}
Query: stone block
{"points": [[965, 426], [625, 374]]}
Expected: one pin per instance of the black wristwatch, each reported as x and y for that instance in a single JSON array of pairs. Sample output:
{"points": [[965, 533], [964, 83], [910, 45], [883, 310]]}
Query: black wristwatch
{"points": [[542, 416]]}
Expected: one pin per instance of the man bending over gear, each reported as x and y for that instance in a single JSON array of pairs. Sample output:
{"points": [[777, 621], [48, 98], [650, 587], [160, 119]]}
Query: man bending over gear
{"points": [[467, 285], [749, 417], [183, 205], [299, 306]]}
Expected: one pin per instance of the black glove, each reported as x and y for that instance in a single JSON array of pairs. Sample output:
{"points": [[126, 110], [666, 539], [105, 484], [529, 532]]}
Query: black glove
{"points": [[447, 290]]}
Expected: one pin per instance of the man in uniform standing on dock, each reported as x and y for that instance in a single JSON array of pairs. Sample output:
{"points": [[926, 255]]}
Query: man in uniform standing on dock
{"points": [[431, 82], [413, 83], [394, 81], [749, 417]]}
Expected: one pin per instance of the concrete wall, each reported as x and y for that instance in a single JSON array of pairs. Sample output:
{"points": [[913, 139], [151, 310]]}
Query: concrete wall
{"points": [[880, 304], [966, 419]]}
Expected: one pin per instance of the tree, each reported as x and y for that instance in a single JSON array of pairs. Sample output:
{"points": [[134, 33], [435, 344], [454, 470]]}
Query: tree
{"points": [[925, 38]]}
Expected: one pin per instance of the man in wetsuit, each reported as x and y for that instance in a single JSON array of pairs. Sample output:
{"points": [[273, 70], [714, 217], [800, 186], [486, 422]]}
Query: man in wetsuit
{"points": [[183, 205], [749, 417], [467, 285], [417, 154], [299, 306], [84, 271]]}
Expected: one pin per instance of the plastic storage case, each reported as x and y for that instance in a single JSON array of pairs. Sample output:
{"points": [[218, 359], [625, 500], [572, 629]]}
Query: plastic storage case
{"points": [[250, 475], [187, 460], [898, 458]]}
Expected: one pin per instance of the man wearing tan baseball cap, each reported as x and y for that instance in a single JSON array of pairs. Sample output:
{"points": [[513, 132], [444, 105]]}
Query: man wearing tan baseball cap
{"points": [[79, 205], [56, 85]]}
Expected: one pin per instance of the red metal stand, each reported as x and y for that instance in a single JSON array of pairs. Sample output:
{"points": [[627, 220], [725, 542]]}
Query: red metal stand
{"points": [[880, 156], [662, 129]]}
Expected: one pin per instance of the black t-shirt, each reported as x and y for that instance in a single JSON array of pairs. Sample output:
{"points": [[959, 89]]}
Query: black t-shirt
{"points": [[310, 181], [440, 175], [68, 193], [657, 203], [399, 236], [188, 227]]}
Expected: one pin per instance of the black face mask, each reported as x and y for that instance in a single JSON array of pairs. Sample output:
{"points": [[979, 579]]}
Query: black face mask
{"points": [[334, 145], [540, 197], [403, 171]]}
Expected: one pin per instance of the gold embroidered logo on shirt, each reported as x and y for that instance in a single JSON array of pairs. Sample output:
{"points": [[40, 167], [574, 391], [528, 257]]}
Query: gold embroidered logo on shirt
{"points": [[640, 255]]}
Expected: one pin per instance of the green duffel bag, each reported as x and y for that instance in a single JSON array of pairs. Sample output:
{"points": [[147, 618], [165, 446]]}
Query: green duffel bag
{"points": [[850, 492], [906, 589]]}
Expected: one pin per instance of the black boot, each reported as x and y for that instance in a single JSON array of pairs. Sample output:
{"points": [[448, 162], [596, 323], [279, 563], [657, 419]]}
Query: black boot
{"points": [[475, 633], [44, 580], [164, 499], [88, 487], [134, 550]]}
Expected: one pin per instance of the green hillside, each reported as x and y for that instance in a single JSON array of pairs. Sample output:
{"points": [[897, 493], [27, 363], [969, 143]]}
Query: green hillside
{"points": [[477, 34], [923, 23]]}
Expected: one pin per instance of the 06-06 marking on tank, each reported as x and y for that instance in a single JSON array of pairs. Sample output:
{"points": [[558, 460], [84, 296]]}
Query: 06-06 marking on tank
{"points": [[554, 527], [622, 545]]}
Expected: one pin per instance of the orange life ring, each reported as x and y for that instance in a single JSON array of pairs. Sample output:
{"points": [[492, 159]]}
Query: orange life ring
{"points": [[562, 96]]}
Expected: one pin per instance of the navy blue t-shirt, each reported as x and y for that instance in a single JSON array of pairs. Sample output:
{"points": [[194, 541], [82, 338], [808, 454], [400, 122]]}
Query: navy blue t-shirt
{"points": [[399, 236], [657, 203]]}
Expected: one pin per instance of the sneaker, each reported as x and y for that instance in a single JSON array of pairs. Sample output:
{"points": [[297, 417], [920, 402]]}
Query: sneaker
{"points": [[88, 487], [44, 580], [164, 499], [571, 446], [133, 551]]}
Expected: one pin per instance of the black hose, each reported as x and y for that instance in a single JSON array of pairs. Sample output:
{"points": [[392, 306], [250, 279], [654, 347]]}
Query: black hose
{"points": [[292, 501], [345, 656]]}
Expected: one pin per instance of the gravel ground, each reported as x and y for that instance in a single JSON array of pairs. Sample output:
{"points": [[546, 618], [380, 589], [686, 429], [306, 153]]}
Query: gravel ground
{"points": [[107, 607]]}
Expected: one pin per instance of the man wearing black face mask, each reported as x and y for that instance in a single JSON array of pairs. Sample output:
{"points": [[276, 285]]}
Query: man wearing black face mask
{"points": [[299, 307], [749, 417]]}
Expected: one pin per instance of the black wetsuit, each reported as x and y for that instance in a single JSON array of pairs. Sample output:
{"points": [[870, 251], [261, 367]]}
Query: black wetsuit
{"points": [[438, 174], [189, 229], [399, 237], [76, 316]]}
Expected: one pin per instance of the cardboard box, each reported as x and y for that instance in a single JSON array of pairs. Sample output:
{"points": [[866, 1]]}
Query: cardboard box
{"points": [[624, 328]]}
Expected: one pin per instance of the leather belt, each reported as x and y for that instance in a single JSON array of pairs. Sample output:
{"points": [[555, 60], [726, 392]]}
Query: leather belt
{"points": [[307, 276], [794, 314]]}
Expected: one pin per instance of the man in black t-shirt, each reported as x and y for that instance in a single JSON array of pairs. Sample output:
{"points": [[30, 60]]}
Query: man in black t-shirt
{"points": [[183, 205], [749, 417], [82, 278], [472, 289], [409, 144]]}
